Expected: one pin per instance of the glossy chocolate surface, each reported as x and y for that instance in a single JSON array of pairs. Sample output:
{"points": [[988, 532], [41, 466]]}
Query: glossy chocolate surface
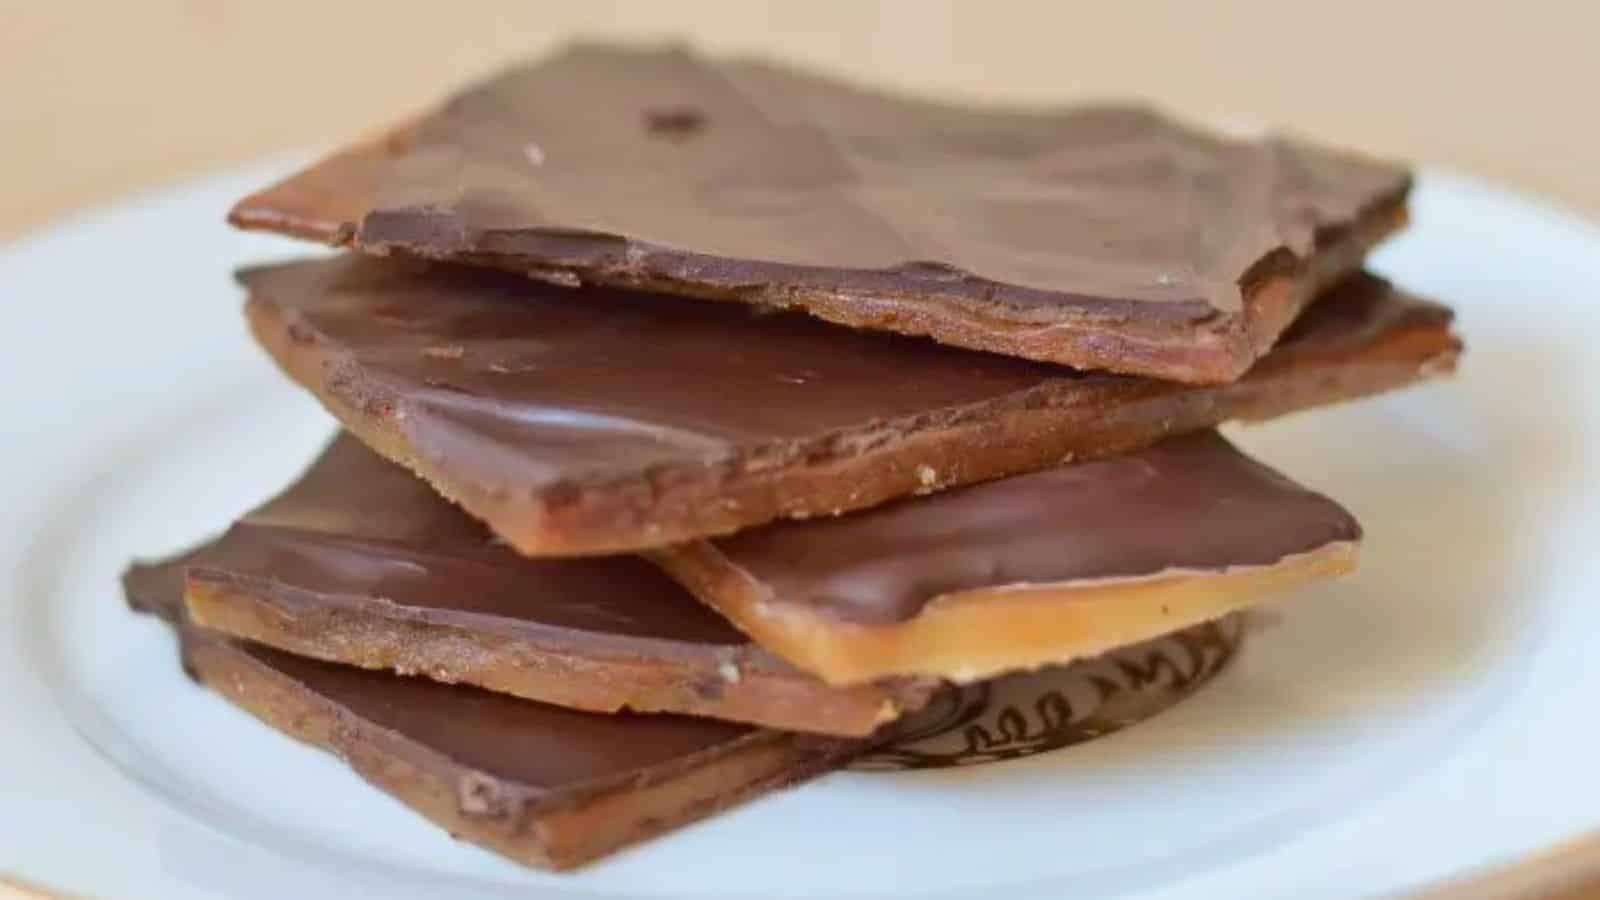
{"points": [[1190, 504], [518, 389], [359, 532], [751, 181]]}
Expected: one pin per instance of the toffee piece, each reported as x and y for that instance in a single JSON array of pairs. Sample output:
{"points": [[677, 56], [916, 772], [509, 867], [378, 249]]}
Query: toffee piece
{"points": [[576, 424], [546, 786], [359, 562], [1103, 237], [1026, 571]]}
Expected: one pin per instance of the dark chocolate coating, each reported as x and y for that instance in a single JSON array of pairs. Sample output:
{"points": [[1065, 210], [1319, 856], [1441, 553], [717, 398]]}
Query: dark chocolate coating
{"points": [[1193, 503]]}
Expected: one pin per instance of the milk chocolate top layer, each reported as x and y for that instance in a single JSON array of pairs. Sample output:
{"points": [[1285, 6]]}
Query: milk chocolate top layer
{"points": [[576, 426], [745, 180], [1190, 504]]}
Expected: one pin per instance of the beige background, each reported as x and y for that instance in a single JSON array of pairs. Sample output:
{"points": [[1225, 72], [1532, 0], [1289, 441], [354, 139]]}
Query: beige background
{"points": [[97, 98]]}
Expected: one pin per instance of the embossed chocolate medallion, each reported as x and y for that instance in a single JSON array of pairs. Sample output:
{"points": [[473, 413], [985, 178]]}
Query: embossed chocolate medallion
{"points": [[1036, 712]]}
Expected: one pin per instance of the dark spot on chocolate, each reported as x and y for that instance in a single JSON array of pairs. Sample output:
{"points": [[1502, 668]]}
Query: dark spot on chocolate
{"points": [[674, 121]]}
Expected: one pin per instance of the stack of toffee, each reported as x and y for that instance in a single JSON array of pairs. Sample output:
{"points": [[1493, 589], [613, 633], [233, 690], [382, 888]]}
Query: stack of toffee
{"points": [[705, 420]]}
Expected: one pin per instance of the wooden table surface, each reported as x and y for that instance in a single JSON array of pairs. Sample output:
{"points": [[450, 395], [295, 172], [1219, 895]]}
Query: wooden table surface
{"points": [[100, 99]]}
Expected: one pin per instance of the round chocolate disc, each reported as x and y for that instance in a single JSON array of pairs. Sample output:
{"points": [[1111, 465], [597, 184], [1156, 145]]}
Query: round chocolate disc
{"points": [[1036, 712]]}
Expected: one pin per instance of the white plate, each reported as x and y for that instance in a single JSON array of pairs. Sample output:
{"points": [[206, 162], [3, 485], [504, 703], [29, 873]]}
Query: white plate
{"points": [[1433, 714]]}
